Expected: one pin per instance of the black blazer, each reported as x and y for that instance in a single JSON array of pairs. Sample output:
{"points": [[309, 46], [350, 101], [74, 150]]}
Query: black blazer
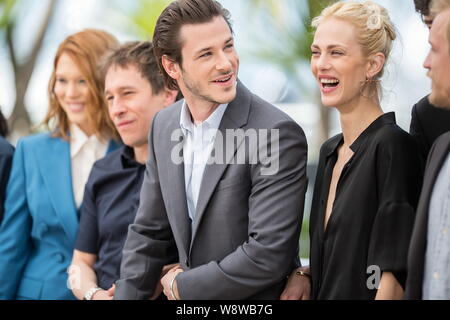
{"points": [[418, 245], [428, 123], [6, 154]]}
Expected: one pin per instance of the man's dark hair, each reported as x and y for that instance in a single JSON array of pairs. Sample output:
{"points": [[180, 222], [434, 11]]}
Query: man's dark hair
{"points": [[166, 38], [138, 54], [3, 125], [423, 7]]}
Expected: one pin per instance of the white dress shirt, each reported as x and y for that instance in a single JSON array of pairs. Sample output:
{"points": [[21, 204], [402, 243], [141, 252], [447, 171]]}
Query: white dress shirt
{"points": [[197, 148], [84, 151]]}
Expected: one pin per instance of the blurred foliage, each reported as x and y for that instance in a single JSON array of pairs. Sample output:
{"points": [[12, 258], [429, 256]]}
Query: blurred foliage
{"points": [[291, 36], [304, 242], [6, 9], [289, 32], [146, 15], [23, 67]]}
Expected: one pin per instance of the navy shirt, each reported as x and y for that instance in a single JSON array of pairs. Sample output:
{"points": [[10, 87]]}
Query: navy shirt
{"points": [[6, 155], [109, 206]]}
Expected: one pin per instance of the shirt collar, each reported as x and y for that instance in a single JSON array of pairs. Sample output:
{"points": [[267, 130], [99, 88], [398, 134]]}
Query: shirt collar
{"points": [[213, 121], [337, 141], [128, 159], [77, 139], [388, 118]]}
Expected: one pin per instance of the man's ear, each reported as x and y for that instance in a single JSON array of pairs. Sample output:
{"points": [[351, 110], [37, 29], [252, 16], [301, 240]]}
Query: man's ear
{"points": [[171, 67], [375, 65], [169, 97]]}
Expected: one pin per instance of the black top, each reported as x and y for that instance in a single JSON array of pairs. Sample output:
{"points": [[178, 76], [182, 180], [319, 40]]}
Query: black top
{"points": [[373, 212], [109, 206], [428, 123], [6, 155]]}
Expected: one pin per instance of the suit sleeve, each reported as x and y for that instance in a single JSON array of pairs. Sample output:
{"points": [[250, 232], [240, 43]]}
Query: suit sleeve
{"points": [[150, 244], [15, 230], [275, 214]]}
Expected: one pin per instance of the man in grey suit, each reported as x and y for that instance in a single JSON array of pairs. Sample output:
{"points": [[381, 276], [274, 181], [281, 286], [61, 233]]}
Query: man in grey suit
{"points": [[429, 253], [214, 198]]}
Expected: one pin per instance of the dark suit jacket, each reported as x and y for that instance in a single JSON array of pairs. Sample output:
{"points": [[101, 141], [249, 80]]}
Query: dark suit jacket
{"points": [[417, 249], [428, 123], [6, 154], [244, 238]]}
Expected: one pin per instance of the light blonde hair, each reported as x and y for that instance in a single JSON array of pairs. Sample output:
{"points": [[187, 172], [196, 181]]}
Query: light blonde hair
{"points": [[437, 6], [86, 48], [375, 30]]}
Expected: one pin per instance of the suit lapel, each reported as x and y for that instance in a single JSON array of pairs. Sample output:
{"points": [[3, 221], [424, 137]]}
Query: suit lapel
{"points": [[435, 165], [178, 201], [235, 117], [55, 166]]}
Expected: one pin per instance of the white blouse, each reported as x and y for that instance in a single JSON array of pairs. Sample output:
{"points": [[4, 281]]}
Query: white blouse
{"points": [[84, 151]]}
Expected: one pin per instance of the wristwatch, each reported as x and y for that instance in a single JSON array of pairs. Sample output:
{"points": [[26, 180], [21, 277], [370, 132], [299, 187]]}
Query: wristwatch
{"points": [[90, 293]]}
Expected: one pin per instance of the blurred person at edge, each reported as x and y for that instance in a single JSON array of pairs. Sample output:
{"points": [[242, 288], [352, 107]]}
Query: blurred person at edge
{"points": [[135, 92], [429, 253], [368, 178], [427, 121], [49, 173], [6, 154]]}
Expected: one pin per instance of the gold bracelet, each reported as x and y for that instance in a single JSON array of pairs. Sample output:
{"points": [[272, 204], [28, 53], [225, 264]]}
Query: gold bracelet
{"points": [[303, 274]]}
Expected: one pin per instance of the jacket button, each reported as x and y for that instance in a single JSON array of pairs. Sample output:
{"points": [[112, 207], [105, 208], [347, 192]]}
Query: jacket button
{"points": [[60, 257]]}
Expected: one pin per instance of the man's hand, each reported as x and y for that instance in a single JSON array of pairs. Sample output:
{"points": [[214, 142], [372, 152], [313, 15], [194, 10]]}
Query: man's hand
{"points": [[298, 286], [167, 280], [104, 294], [159, 287]]}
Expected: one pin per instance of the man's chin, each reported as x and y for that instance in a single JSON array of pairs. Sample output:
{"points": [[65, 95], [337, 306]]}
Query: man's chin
{"points": [[229, 97]]}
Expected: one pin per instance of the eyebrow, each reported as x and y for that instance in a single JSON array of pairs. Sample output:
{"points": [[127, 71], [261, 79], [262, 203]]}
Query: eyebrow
{"points": [[331, 46], [121, 89], [209, 48]]}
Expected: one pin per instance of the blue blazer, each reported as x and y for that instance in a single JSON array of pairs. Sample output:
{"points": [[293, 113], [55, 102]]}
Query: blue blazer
{"points": [[6, 154], [39, 228]]}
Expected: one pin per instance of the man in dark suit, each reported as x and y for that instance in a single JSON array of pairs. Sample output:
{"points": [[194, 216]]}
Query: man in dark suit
{"points": [[6, 154], [429, 254], [210, 196], [428, 122]]}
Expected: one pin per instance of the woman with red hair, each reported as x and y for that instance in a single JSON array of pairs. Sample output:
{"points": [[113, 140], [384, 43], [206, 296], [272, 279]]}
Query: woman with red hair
{"points": [[49, 172]]}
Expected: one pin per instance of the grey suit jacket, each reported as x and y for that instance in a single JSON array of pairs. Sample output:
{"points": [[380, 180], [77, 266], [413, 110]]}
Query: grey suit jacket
{"points": [[418, 245], [244, 239]]}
